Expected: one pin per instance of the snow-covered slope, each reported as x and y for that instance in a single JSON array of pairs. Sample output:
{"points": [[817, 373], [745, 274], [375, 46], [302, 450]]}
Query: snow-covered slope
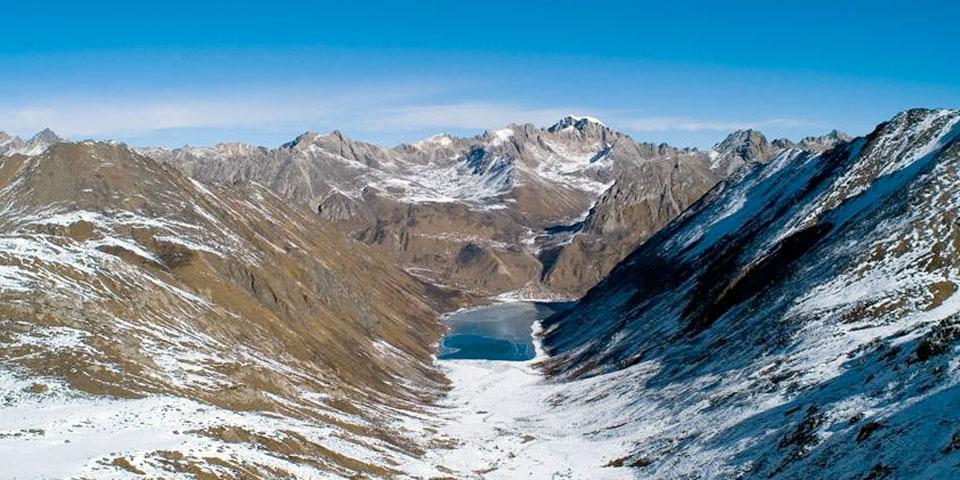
{"points": [[648, 195], [149, 323], [799, 318]]}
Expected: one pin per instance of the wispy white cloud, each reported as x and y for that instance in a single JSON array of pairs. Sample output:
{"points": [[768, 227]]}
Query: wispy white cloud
{"points": [[118, 118], [369, 112], [661, 124], [124, 115], [469, 115], [373, 111]]}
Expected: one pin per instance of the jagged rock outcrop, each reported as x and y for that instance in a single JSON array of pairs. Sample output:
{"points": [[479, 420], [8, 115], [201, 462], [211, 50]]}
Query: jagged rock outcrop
{"points": [[743, 148], [646, 196]]}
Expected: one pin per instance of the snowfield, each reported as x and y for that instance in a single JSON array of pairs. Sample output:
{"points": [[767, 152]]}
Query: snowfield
{"points": [[501, 416]]}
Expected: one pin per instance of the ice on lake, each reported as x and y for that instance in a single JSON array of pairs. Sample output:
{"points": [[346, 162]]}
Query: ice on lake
{"points": [[495, 332]]}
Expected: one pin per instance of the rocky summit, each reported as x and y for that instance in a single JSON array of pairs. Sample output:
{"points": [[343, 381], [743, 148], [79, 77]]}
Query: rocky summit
{"points": [[10, 145]]}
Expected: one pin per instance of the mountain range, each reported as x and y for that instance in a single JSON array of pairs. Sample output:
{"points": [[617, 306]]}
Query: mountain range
{"points": [[764, 309], [522, 211]]}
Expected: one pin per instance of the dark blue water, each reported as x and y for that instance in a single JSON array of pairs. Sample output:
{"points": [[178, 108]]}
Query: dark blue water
{"points": [[495, 332]]}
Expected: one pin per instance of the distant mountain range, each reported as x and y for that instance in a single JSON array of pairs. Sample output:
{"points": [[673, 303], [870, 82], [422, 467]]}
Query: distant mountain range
{"points": [[10, 145], [522, 210]]}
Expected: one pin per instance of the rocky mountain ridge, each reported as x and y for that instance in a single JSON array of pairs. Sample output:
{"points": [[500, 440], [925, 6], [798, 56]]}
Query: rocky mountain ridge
{"points": [[10, 145], [496, 213]]}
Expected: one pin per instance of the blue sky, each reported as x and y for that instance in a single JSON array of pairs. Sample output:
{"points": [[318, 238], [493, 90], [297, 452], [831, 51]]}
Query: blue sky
{"points": [[681, 72]]}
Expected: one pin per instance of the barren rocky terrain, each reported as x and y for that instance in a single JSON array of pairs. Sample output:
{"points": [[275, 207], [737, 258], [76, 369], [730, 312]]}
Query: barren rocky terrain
{"points": [[523, 211]]}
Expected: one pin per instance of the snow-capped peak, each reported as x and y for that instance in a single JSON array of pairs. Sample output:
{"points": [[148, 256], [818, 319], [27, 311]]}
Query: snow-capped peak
{"points": [[575, 122], [302, 139], [227, 150], [46, 136], [308, 138], [501, 136], [35, 146], [440, 139]]}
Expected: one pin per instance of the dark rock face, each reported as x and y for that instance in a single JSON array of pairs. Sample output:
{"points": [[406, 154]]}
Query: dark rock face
{"points": [[743, 148], [646, 197]]}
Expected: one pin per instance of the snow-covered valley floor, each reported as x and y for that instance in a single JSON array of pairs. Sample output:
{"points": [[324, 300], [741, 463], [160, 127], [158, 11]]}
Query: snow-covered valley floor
{"points": [[501, 414], [500, 419], [507, 421]]}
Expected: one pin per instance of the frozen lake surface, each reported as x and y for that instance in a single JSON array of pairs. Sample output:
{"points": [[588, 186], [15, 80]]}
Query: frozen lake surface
{"points": [[495, 332]]}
